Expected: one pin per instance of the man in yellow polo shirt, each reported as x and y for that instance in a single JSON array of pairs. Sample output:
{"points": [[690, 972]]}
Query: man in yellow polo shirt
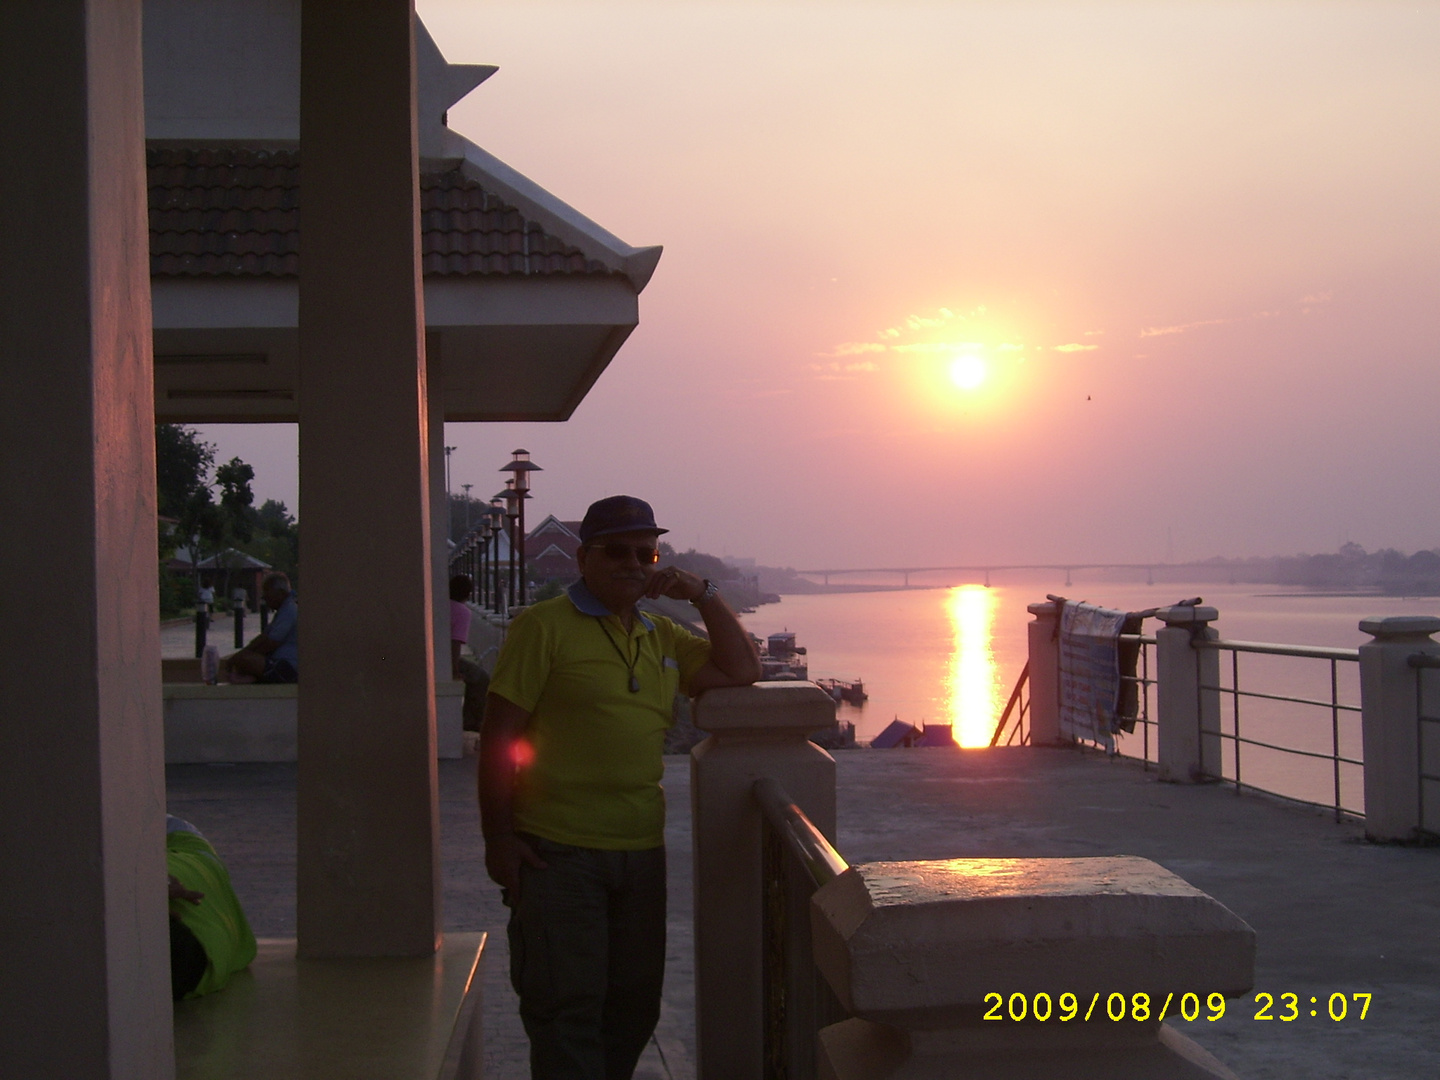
{"points": [[570, 798]]}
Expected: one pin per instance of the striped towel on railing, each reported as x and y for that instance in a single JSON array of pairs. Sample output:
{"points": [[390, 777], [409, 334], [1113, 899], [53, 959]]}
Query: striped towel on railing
{"points": [[1090, 684]]}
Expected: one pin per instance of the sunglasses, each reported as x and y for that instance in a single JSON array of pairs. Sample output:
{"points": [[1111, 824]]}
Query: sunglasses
{"points": [[644, 555]]}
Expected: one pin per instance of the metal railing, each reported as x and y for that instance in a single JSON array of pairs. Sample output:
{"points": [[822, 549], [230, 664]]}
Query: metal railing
{"points": [[798, 1000], [1018, 697], [1142, 683], [1422, 662], [1333, 657]]}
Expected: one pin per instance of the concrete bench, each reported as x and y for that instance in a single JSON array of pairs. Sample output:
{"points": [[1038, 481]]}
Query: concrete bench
{"points": [[410, 1018], [257, 722]]}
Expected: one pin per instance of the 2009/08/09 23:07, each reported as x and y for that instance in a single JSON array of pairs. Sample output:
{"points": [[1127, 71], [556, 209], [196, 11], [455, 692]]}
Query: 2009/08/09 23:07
{"points": [[1139, 1007]]}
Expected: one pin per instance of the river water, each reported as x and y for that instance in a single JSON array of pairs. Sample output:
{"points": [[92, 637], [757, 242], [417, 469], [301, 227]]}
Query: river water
{"points": [[952, 655]]}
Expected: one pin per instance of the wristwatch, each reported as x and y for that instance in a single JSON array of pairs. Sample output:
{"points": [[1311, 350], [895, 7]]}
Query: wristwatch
{"points": [[711, 591]]}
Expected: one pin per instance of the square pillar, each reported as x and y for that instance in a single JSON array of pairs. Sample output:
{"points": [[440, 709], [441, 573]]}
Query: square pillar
{"points": [[84, 939], [368, 867], [1182, 709], [439, 503], [1044, 642], [1390, 722], [755, 732]]}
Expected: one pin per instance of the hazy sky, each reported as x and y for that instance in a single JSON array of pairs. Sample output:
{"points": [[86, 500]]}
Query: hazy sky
{"points": [[1193, 249]]}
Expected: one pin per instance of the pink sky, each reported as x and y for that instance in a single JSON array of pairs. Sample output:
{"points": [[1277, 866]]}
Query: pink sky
{"points": [[1196, 247]]}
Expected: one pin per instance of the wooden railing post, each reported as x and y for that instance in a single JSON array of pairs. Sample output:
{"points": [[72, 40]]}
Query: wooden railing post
{"points": [[755, 731]]}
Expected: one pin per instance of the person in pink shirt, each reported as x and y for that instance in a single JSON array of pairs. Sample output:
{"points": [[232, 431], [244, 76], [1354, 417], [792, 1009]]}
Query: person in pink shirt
{"points": [[462, 669]]}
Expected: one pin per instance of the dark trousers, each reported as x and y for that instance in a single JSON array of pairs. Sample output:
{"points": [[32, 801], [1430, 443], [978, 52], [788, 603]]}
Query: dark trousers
{"points": [[587, 957]]}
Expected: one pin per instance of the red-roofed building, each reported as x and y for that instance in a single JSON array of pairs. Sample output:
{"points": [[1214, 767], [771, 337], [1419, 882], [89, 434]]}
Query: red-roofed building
{"points": [[555, 542], [526, 299]]}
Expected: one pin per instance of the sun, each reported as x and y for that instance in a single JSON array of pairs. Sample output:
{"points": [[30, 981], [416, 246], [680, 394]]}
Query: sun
{"points": [[967, 372]]}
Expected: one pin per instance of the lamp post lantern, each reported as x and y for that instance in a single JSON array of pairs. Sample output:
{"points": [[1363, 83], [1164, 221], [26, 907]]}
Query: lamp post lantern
{"points": [[520, 467], [466, 488]]}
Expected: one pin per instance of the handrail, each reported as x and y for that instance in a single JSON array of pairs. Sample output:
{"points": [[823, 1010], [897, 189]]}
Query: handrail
{"points": [[799, 834], [1314, 652], [1010, 705], [1424, 660]]}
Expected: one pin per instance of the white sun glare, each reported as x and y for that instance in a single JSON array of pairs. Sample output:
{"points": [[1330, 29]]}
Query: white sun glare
{"points": [[967, 372]]}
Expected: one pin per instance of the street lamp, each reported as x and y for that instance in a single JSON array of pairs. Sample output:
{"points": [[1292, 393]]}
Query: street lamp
{"points": [[482, 583], [495, 518], [449, 510], [503, 507], [466, 488], [520, 466]]}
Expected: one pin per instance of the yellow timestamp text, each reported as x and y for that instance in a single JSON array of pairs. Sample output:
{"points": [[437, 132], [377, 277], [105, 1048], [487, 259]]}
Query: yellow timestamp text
{"points": [[1141, 1007]]}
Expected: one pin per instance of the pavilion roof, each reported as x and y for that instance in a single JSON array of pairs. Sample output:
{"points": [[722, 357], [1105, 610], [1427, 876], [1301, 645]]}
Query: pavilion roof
{"points": [[234, 211]]}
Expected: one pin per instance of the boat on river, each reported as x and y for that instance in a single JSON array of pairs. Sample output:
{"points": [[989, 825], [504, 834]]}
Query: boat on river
{"points": [[848, 690]]}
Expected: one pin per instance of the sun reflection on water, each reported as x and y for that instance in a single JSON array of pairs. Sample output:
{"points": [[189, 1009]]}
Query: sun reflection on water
{"points": [[972, 686]]}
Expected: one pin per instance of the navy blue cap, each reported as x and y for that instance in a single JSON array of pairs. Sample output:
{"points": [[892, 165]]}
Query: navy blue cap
{"points": [[617, 514]]}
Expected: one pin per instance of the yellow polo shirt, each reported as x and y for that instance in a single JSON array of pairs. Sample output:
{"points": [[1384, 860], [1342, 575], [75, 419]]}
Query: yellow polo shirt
{"points": [[590, 771]]}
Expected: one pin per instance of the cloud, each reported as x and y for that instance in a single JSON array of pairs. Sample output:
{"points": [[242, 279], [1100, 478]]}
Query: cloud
{"points": [[1007, 347], [1093, 333], [938, 347], [856, 348], [1317, 298], [1160, 331], [1073, 347], [836, 370], [889, 332]]}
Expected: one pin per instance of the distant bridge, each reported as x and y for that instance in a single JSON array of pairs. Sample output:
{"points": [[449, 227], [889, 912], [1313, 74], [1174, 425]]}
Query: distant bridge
{"points": [[988, 568]]}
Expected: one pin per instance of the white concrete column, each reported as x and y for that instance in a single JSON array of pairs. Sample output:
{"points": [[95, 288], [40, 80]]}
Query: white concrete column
{"points": [[1182, 708], [1389, 719], [368, 868], [439, 510], [84, 945], [1044, 675], [755, 731]]}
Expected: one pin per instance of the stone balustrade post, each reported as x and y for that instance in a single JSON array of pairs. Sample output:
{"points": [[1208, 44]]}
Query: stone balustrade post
{"points": [[1389, 720], [1183, 709], [1044, 641], [954, 969], [754, 732]]}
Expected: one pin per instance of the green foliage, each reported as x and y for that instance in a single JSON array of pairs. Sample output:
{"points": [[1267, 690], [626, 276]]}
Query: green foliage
{"points": [[236, 498], [706, 566], [275, 539], [549, 590]]}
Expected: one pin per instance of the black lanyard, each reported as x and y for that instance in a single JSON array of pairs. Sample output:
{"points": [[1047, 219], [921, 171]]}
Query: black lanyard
{"points": [[630, 664]]}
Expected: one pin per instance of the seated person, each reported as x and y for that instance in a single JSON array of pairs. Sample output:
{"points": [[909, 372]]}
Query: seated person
{"points": [[272, 656], [210, 938], [475, 678]]}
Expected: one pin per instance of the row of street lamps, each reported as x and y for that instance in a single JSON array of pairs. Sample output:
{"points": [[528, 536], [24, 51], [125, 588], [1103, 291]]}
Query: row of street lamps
{"points": [[479, 550]]}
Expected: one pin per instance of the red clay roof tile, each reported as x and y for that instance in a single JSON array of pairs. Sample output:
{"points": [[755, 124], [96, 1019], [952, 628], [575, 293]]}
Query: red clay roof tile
{"points": [[232, 211]]}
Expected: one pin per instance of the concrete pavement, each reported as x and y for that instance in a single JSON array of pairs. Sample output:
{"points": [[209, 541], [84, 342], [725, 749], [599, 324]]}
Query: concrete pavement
{"points": [[1333, 913]]}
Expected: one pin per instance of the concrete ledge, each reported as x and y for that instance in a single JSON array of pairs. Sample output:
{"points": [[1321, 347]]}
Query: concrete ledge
{"points": [[257, 722], [395, 1018], [921, 944], [921, 952], [799, 707]]}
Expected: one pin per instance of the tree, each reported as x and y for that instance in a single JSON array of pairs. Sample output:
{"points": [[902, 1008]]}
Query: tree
{"points": [[185, 497], [182, 487], [276, 539]]}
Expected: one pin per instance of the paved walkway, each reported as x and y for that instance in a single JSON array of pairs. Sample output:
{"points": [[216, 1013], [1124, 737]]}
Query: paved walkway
{"points": [[1333, 913]]}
